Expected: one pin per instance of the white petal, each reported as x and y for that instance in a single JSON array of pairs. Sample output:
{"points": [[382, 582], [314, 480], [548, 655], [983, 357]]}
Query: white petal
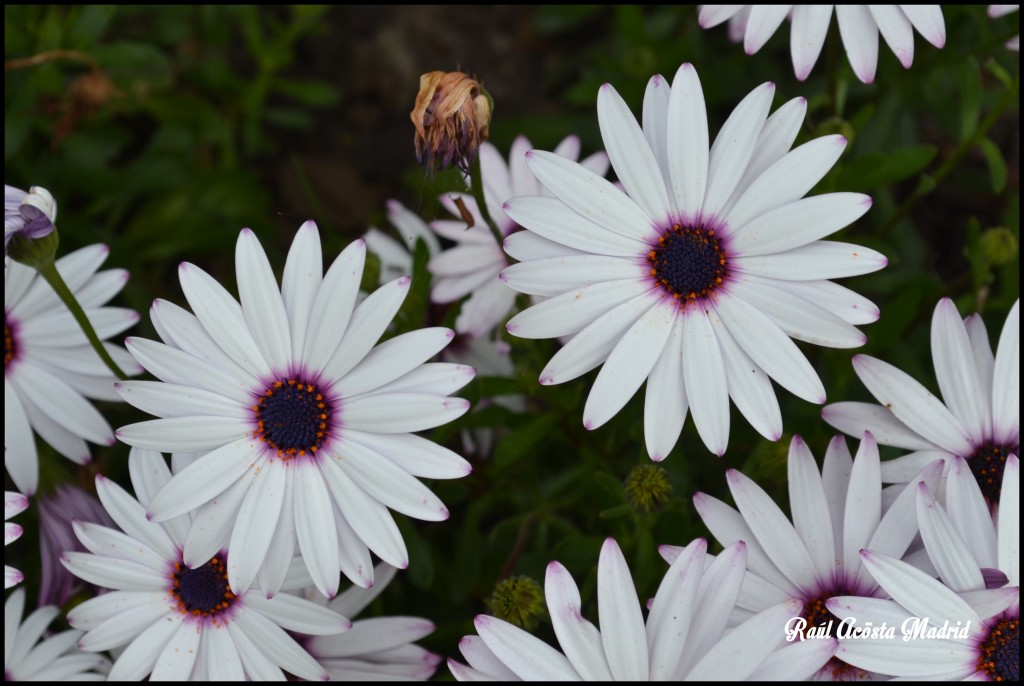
{"points": [[798, 223], [704, 374], [303, 272], [555, 275], [69, 409], [713, 15], [898, 527], [957, 376], [628, 365], [465, 259], [257, 664], [529, 658], [488, 307], [746, 647], [278, 646], [130, 515], [668, 625], [204, 479], [117, 574], [1009, 521], [592, 196], [896, 30], [912, 404], [571, 312], [770, 348], [20, 457], [179, 367], [970, 514], [261, 300], [928, 20], [775, 140], [414, 454], [212, 523], [687, 143], [554, 220], [863, 507], [137, 660], [368, 323], [807, 35], [749, 386], [172, 400], [527, 245], [623, 635], [485, 662], [809, 506], [860, 39], [953, 560], [392, 359], [984, 360], [224, 663], [331, 314], [1006, 382], [255, 524], [440, 378], [296, 614], [762, 23], [855, 418], [798, 661], [918, 592], [655, 124], [819, 260], [578, 638], [106, 542], [178, 656], [401, 412], [183, 330], [630, 154], [665, 405], [186, 434], [277, 562], [849, 306], [733, 148]]}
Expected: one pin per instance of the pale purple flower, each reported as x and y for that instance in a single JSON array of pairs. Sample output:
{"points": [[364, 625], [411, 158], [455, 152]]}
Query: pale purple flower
{"points": [[697, 277], [395, 257], [683, 637], [14, 503], [977, 419], [31, 214], [56, 513], [304, 424], [859, 27]]}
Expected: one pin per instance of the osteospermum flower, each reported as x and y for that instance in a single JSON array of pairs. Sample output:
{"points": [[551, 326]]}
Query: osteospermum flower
{"points": [[859, 26], [696, 277], [180, 623], [974, 637], [305, 425], [55, 658], [374, 649], [472, 266], [980, 418], [50, 368], [682, 637], [995, 11], [835, 513], [395, 258], [30, 215], [14, 503]]}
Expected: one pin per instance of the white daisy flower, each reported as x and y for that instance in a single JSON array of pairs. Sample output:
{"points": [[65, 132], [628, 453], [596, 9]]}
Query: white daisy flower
{"points": [[995, 11], [859, 26], [50, 368], [696, 277], [980, 419], [836, 513], [56, 658], [180, 623], [982, 646], [305, 425], [374, 649], [14, 503], [472, 266], [683, 638], [395, 258]]}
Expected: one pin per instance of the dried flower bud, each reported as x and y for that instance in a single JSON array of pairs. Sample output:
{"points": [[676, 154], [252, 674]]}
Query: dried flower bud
{"points": [[451, 117]]}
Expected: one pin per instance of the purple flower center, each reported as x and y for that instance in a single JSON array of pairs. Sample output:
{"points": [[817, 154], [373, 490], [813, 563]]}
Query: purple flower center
{"points": [[10, 345], [1000, 651], [820, 618], [293, 417], [987, 464], [688, 262], [204, 591]]}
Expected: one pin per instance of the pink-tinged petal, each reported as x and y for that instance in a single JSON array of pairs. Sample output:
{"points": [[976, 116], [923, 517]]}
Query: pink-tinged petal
{"points": [[797, 661], [401, 412], [223, 662], [20, 458], [354, 555], [528, 245], [296, 614], [258, 666], [623, 635], [487, 308], [863, 609], [465, 259], [896, 30], [484, 662], [631, 155], [276, 563], [957, 377], [898, 527], [863, 506], [713, 15], [368, 322], [279, 646], [912, 404], [172, 400], [110, 573], [392, 359], [773, 530], [496, 180], [770, 348], [797, 317], [798, 223], [331, 312], [704, 375], [416, 455], [315, 530], [14, 503], [917, 591], [590, 195], [65, 405], [915, 659], [749, 387], [176, 366], [178, 657], [855, 418], [204, 479], [255, 524], [303, 273], [556, 275], [137, 660], [113, 619], [554, 220], [655, 124], [106, 542], [807, 36], [628, 365], [670, 619], [579, 639], [787, 179], [463, 673], [809, 506], [981, 349], [776, 139], [928, 21], [720, 588], [1006, 382], [762, 23], [571, 312], [746, 647], [261, 301], [529, 658], [186, 434], [969, 513], [992, 601], [665, 403], [441, 378], [733, 147], [819, 260], [835, 479], [953, 560], [388, 483], [1009, 521], [860, 39], [687, 143], [213, 521]]}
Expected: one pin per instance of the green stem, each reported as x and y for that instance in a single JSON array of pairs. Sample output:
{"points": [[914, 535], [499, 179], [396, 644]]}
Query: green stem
{"points": [[476, 183], [53, 277], [929, 182]]}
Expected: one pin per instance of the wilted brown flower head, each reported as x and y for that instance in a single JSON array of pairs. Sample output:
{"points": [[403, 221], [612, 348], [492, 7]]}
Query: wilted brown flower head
{"points": [[451, 117]]}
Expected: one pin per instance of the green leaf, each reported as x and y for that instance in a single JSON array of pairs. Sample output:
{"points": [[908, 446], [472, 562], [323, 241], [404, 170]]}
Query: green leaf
{"points": [[311, 93], [997, 169], [968, 74], [421, 562], [878, 169], [523, 441]]}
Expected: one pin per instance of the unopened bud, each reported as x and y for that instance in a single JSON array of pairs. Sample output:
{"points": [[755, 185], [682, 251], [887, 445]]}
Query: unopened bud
{"points": [[518, 600], [451, 116], [998, 246], [648, 488], [29, 235]]}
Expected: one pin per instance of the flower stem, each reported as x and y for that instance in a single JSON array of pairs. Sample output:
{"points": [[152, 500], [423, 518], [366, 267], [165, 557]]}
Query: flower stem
{"points": [[476, 183], [53, 277]]}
